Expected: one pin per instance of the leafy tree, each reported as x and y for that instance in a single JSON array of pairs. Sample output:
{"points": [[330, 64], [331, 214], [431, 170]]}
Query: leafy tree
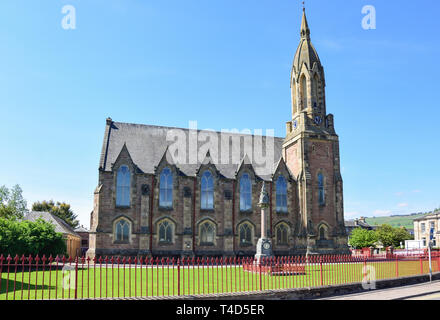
{"points": [[390, 236], [60, 209], [362, 238], [12, 204], [27, 237]]}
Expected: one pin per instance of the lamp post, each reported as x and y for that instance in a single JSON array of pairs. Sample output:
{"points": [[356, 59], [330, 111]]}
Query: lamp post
{"points": [[264, 245]]}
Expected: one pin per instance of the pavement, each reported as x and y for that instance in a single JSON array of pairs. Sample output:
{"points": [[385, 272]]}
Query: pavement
{"points": [[423, 291]]}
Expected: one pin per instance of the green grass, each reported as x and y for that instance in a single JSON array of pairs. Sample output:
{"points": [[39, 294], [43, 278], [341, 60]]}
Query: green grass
{"points": [[102, 282]]}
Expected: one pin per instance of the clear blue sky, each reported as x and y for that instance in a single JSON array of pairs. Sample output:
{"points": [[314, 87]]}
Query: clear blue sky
{"points": [[225, 64]]}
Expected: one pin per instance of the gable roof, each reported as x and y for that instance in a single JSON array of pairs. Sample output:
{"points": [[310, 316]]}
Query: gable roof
{"points": [[147, 145], [60, 224]]}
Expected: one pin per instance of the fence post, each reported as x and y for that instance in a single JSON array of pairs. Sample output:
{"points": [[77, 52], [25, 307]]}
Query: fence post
{"points": [[397, 267], [76, 278], [178, 276], [259, 266], [320, 267], [421, 265]]}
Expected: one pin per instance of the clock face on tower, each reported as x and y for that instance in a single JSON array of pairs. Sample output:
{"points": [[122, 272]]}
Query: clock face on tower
{"points": [[318, 120], [295, 124], [266, 245]]}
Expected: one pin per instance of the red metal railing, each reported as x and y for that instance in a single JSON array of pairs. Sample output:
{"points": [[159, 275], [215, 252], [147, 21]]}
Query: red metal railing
{"points": [[27, 277]]}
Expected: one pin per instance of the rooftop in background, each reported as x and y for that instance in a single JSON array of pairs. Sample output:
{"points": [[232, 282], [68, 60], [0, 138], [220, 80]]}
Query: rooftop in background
{"points": [[60, 224], [434, 215], [81, 229], [361, 223]]}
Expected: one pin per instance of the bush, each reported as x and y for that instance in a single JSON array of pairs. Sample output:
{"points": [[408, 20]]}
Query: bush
{"points": [[30, 238]]}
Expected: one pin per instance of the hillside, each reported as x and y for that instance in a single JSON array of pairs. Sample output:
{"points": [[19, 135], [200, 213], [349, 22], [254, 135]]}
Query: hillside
{"points": [[395, 221]]}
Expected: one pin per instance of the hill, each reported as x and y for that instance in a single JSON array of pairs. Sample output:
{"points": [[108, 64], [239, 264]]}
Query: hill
{"points": [[396, 221]]}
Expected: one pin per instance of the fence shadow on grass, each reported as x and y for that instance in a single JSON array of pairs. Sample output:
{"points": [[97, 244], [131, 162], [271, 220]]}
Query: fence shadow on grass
{"points": [[8, 284]]}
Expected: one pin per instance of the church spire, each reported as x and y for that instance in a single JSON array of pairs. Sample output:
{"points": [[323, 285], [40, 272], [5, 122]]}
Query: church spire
{"points": [[305, 31]]}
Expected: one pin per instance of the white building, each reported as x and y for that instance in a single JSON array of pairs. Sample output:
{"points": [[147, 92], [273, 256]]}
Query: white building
{"points": [[422, 227]]}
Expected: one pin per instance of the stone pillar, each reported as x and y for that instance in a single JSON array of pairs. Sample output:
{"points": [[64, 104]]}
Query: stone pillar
{"points": [[187, 241], [264, 245], [228, 238], [144, 236]]}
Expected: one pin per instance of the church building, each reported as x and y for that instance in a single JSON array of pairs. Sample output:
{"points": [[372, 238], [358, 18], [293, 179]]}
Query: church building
{"points": [[147, 203]]}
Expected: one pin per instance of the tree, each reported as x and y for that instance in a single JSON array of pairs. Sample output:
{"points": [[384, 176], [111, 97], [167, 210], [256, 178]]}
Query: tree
{"points": [[362, 238], [60, 209], [390, 236], [27, 237], [12, 204]]}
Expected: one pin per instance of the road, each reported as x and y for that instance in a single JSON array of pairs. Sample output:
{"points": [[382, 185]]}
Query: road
{"points": [[423, 291]]}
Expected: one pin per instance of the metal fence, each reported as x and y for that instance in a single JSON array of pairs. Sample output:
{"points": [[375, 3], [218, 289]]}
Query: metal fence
{"points": [[30, 278]]}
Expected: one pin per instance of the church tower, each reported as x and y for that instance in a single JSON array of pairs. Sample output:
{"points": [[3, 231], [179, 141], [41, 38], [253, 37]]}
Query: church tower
{"points": [[311, 151]]}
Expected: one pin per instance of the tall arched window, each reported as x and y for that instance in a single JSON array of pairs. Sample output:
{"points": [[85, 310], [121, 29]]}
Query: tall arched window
{"points": [[316, 89], [165, 232], [303, 91], [207, 191], [166, 189], [123, 187], [322, 233], [207, 233], [245, 234], [294, 103], [281, 195], [122, 231], [282, 234], [321, 195], [245, 193]]}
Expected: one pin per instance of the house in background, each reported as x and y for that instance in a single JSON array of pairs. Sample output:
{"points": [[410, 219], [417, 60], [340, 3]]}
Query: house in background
{"points": [[84, 234], [350, 225], [423, 226], [72, 239]]}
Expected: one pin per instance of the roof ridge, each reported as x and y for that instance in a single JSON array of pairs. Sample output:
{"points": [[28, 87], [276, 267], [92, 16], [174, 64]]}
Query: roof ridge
{"points": [[198, 130]]}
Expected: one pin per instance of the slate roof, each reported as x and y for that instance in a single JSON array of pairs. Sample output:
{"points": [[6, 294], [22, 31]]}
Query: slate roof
{"points": [[60, 224], [147, 145], [358, 223]]}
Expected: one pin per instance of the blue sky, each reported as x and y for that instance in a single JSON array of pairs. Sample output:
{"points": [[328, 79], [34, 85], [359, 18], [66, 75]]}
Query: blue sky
{"points": [[225, 64]]}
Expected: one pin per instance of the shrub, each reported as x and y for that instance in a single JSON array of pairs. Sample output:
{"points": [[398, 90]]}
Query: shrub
{"points": [[27, 237]]}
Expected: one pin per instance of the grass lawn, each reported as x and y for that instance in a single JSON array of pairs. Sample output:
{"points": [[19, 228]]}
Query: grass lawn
{"points": [[101, 282]]}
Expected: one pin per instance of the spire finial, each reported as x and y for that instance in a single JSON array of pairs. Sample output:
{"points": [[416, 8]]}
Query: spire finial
{"points": [[305, 31]]}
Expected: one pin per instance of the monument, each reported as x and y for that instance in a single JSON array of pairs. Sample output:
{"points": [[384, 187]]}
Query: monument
{"points": [[264, 245]]}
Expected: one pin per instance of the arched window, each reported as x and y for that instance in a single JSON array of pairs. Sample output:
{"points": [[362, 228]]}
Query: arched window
{"points": [[294, 103], [303, 91], [123, 186], [165, 232], [245, 234], [207, 233], [245, 193], [316, 89], [321, 195], [122, 231], [281, 195], [322, 233], [282, 232], [166, 189], [207, 191]]}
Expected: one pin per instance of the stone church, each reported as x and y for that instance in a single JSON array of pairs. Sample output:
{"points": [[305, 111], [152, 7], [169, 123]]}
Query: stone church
{"points": [[147, 203]]}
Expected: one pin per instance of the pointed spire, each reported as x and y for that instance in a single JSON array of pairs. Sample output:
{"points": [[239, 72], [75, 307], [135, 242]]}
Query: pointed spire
{"points": [[305, 31]]}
